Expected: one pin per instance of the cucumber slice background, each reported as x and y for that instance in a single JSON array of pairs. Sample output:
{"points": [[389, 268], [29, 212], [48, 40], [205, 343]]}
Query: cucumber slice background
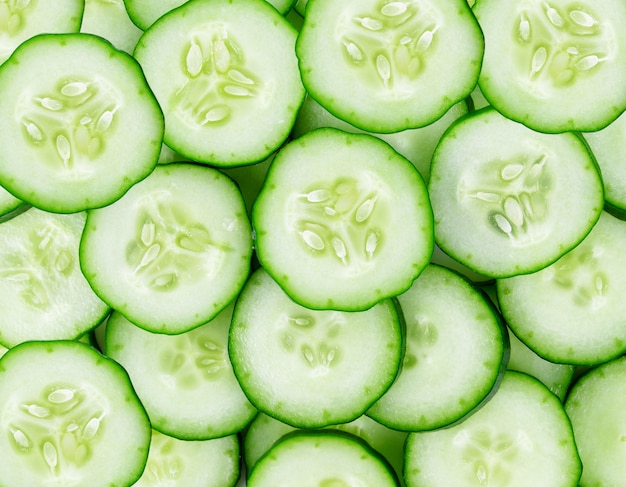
{"points": [[218, 75], [43, 294], [311, 368], [508, 200], [521, 437], [557, 66], [78, 123], [378, 64], [70, 417], [173, 252], [342, 220]]}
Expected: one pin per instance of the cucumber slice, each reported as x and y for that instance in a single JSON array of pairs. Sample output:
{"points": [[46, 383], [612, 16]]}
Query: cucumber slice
{"points": [[595, 406], [311, 368], [144, 13], [70, 417], [609, 148], [207, 463], [509, 200], [173, 252], [573, 310], [521, 437], [342, 221], [265, 431], [456, 353], [109, 19], [326, 458], [377, 64], [21, 20], [218, 74], [554, 66], [78, 123], [185, 381], [43, 294], [9, 205]]}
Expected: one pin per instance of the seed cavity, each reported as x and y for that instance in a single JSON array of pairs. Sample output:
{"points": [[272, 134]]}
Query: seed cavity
{"points": [[393, 9]]}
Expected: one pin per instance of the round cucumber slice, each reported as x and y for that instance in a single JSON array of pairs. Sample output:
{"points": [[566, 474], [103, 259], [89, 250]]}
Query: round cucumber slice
{"points": [[311, 368], [554, 66], [43, 294], [509, 200], [78, 123], [378, 64], [70, 417], [230, 69], [342, 220], [521, 437], [173, 251], [326, 458]]}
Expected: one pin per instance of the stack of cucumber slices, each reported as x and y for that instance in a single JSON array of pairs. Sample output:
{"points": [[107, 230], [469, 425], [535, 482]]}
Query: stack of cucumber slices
{"points": [[356, 243]]}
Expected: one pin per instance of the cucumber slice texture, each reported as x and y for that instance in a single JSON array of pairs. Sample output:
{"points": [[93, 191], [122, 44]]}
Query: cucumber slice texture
{"points": [[609, 148], [78, 123], [70, 418], [173, 251], [207, 463], [342, 221], [218, 74], [311, 368], [521, 437], [456, 353], [21, 20], [43, 294], [144, 13], [310, 459], [8, 203], [185, 381], [377, 64], [573, 310], [109, 19], [509, 200], [555, 66], [595, 406]]}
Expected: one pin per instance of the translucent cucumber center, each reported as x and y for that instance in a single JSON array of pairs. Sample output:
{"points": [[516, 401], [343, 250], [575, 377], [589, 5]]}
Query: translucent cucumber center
{"points": [[42, 266], [558, 45], [164, 466], [56, 431], [581, 273], [69, 123], [218, 85], [512, 194], [421, 337], [390, 44], [312, 339], [489, 455], [190, 360], [13, 14], [169, 247], [342, 220]]}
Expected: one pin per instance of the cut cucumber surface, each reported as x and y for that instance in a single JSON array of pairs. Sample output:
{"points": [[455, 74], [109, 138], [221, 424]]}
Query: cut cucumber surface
{"points": [[70, 418], [554, 66], [229, 91], [342, 221], [43, 294], [509, 200], [311, 368], [596, 406], [573, 310], [207, 463], [521, 437], [109, 19], [327, 458], [185, 381], [456, 353], [173, 252], [78, 123], [23, 19], [377, 64]]}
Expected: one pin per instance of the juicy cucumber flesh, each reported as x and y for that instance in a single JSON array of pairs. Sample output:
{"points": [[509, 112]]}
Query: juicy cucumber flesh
{"points": [[71, 418]]}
